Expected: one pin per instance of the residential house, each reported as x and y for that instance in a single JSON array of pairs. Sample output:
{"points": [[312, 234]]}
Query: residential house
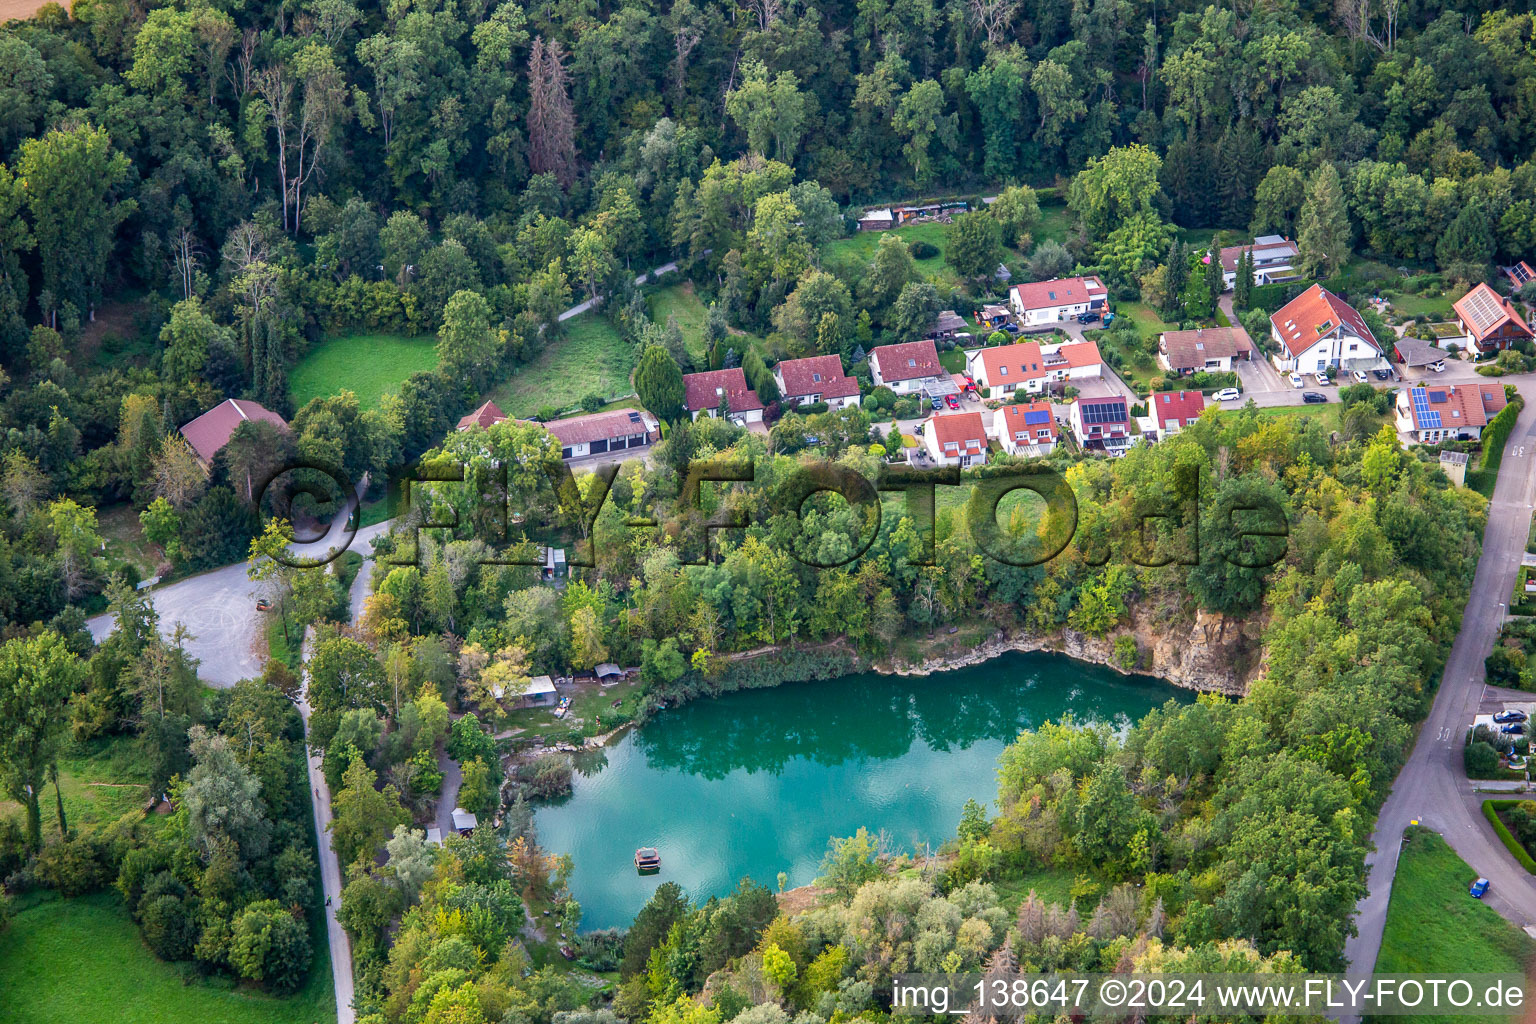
{"points": [[1172, 411], [1274, 258], [601, 433], [1073, 360], [877, 220], [946, 325], [909, 368], [1210, 349], [816, 379], [211, 431], [1317, 330], [1489, 320], [484, 417], [1047, 303], [1025, 428], [1008, 368], [1458, 412], [956, 439], [704, 392], [1101, 424]]}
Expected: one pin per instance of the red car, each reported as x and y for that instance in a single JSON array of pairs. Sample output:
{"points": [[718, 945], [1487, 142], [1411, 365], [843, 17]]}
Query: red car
{"points": [[954, 403]]}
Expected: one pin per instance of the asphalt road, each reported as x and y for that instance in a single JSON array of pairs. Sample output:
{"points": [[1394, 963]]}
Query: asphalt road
{"points": [[1432, 787], [330, 875], [219, 610]]}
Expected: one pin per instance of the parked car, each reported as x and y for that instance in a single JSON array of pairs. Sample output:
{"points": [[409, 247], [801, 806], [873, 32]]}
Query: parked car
{"points": [[952, 401], [1321, 376], [1438, 366], [1313, 397], [1011, 328], [1297, 380], [1227, 395], [1513, 729], [1360, 377], [1382, 374], [1087, 318], [1478, 888], [1509, 716]]}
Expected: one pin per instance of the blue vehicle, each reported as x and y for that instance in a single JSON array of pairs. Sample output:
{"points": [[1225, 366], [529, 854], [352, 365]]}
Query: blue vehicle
{"points": [[1479, 887]]}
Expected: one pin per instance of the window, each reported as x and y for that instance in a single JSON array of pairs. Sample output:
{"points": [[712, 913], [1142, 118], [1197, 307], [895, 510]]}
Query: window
{"points": [[816, 378], [1002, 371], [1042, 432], [719, 392], [951, 446], [911, 362]]}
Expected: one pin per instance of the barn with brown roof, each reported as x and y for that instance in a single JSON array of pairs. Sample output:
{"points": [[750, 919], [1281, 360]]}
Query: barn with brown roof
{"points": [[212, 430]]}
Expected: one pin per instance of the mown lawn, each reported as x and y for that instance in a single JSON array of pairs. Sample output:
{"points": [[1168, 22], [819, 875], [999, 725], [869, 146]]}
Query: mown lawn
{"points": [[859, 249], [588, 358], [368, 365], [1055, 222], [1434, 303], [120, 528], [1434, 926], [81, 961]]}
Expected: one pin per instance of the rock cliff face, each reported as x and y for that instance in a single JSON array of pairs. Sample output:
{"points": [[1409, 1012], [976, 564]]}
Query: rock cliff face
{"points": [[1213, 654]]}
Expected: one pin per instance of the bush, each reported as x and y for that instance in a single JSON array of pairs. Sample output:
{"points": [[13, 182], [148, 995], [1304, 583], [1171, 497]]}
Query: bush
{"points": [[1497, 432], [169, 929], [880, 398], [1480, 760], [923, 250], [1513, 845], [592, 403], [546, 776], [75, 866]]}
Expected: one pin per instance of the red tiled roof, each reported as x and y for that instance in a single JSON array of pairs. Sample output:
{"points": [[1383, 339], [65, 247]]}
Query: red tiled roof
{"points": [[1066, 291], [488, 414], [1484, 311], [601, 426], [1314, 313], [962, 428], [1007, 364], [816, 375], [1467, 405], [1075, 354], [212, 430], [909, 361], [1013, 419], [1520, 273], [1176, 405], [702, 390], [1230, 254]]}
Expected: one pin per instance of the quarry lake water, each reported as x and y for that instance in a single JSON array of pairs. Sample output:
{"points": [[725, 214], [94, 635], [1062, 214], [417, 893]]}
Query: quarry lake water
{"points": [[753, 783]]}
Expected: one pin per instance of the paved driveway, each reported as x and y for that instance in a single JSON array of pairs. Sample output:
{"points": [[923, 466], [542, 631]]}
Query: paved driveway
{"points": [[218, 608]]}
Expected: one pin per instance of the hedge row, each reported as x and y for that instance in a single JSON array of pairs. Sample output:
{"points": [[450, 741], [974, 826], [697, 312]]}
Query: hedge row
{"points": [[1497, 432], [1491, 809]]}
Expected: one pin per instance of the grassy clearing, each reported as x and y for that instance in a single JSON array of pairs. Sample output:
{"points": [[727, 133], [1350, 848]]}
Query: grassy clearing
{"points": [[120, 528], [81, 962], [589, 358], [368, 365], [592, 711], [1053, 885], [1055, 222], [1431, 889], [101, 780], [859, 249], [1434, 303], [682, 302], [1331, 414]]}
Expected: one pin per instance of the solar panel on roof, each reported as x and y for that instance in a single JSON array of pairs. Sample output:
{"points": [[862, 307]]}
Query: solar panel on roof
{"points": [[1104, 412], [1437, 397], [1520, 272], [1428, 418], [1036, 416]]}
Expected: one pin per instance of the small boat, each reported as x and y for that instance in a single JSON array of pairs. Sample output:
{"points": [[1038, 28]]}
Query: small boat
{"points": [[647, 860]]}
